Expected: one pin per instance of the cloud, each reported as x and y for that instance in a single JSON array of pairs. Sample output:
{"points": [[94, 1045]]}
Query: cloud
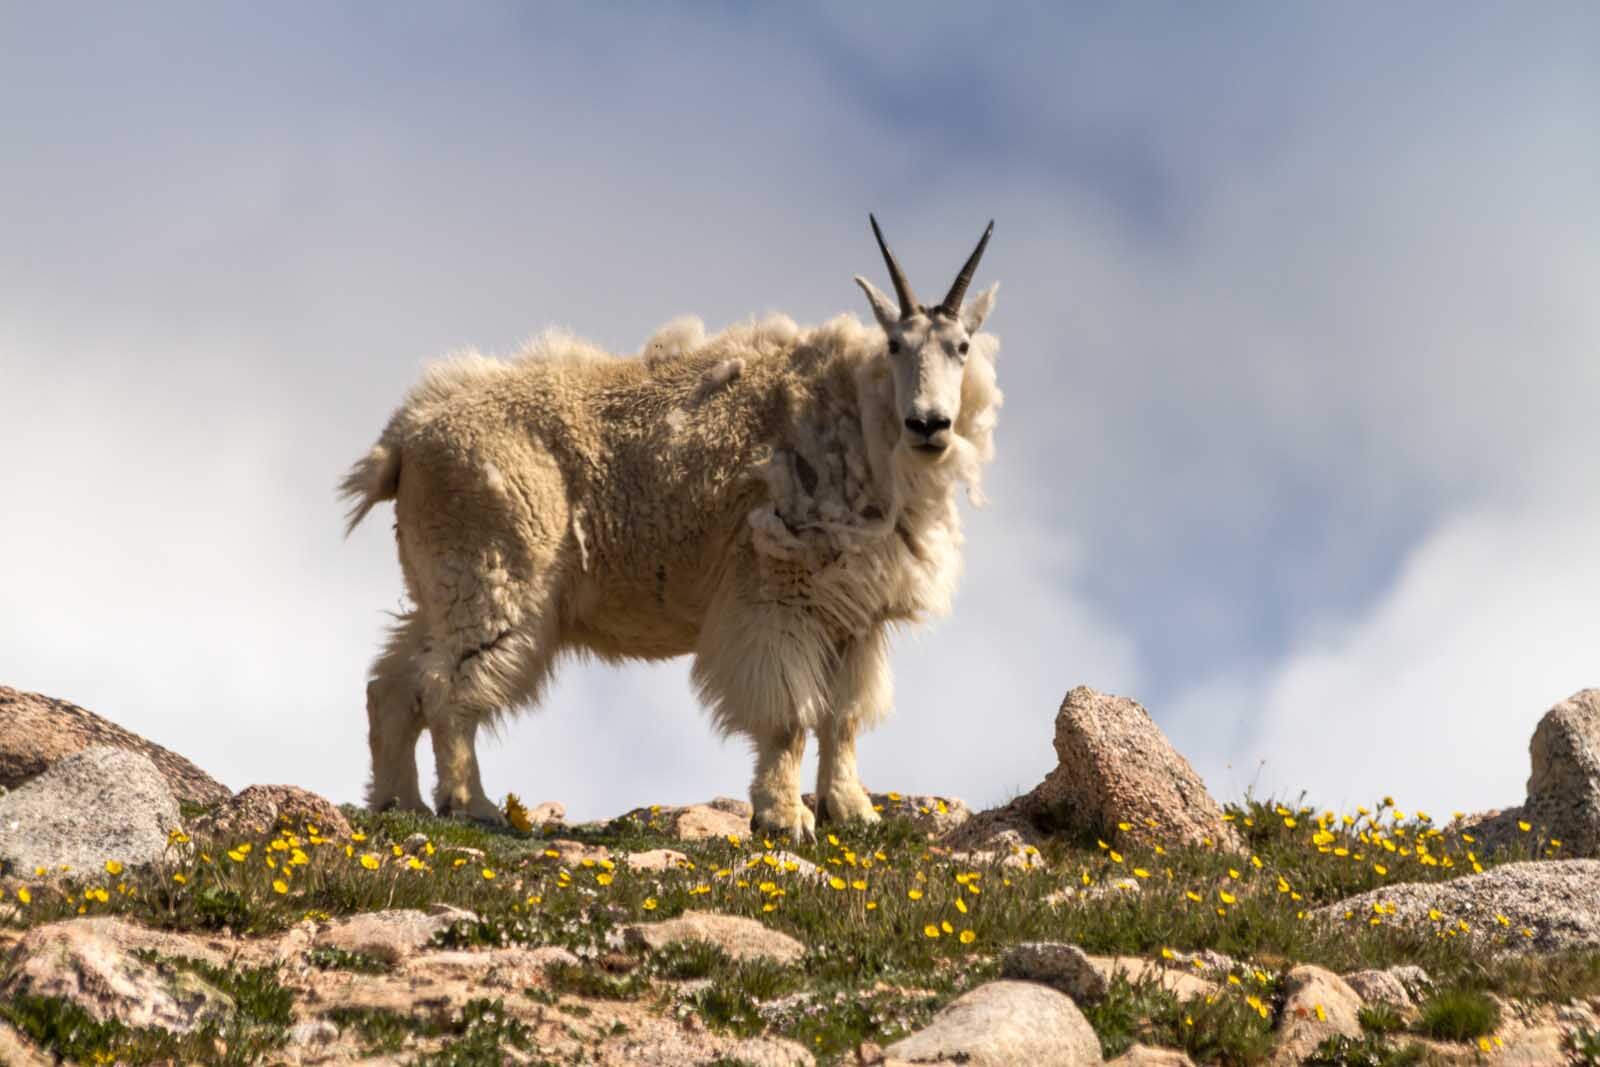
{"points": [[1289, 308], [1432, 696]]}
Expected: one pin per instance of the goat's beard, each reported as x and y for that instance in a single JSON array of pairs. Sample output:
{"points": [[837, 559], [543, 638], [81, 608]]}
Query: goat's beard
{"points": [[919, 476]]}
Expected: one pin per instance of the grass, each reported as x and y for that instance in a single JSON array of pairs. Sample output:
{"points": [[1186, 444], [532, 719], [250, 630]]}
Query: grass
{"points": [[894, 928], [1458, 1015]]}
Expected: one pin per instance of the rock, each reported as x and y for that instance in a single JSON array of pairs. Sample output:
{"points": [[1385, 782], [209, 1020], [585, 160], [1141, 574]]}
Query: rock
{"points": [[1086, 978], [733, 806], [1116, 766], [313, 1032], [16, 1052], [548, 813], [1382, 989], [1317, 1005], [37, 731], [265, 809], [657, 859], [1558, 901], [1005, 848], [96, 805], [1145, 1056], [390, 936], [1564, 787], [1016, 824], [1063, 967], [1002, 1024], [92, 963], [500, 968], [699, 821], [740, 938], [934, 815], [574, 853]]}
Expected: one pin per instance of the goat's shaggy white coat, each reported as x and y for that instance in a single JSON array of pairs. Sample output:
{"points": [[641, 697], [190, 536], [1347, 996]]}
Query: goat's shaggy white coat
{"points": [[746, 498]]}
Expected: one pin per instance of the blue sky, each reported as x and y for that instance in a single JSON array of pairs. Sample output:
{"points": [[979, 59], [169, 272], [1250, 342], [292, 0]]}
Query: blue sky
{"points": [[1298, 330]]}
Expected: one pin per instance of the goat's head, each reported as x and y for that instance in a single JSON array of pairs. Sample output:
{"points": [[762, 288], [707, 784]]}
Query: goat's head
{"points": [[927, 347]]}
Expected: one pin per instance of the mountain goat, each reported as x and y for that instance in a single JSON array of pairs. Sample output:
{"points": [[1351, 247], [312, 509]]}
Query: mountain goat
{"points": [[769, 499]]}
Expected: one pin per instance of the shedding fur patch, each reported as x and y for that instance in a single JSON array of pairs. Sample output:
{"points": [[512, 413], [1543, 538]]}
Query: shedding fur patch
{"points": [[581, 538]]}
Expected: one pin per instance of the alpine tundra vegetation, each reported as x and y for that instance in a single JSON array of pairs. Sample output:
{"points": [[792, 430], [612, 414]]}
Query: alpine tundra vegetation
{"points": [[769, 499]]}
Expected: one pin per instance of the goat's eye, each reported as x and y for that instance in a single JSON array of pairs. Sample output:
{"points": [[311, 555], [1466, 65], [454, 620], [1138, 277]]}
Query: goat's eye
{"points": [[894, 346], [963, 348]]}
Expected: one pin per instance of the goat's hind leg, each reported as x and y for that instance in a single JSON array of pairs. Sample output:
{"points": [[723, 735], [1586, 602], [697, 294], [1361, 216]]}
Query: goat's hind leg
{"points": [[395, 721], [478, 685]]}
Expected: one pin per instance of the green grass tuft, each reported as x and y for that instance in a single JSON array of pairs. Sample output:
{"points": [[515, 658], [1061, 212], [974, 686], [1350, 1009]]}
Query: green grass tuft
{"points": [[1459, 1015]]}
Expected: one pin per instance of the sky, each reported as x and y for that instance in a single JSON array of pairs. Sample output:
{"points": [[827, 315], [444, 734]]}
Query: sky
{"points": [[1297, 322]]}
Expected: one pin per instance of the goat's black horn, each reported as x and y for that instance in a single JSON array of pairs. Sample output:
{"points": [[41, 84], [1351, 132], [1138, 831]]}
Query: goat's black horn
{"points": [[902, 288], [958, 289]]}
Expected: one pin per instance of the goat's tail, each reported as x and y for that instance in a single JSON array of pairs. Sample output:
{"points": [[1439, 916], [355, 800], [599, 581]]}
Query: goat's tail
{"points": [[374, 478]]}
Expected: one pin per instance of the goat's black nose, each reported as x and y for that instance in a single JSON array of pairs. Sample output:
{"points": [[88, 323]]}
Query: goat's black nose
{"points": [[927, 425]]}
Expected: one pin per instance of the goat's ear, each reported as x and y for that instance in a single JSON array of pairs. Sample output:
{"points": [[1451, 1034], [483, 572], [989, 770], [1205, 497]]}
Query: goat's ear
{"points": [[887, 314], [974, 313]]}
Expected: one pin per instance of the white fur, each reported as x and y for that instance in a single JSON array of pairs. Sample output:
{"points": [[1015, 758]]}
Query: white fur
{"points": [[748, 498]]}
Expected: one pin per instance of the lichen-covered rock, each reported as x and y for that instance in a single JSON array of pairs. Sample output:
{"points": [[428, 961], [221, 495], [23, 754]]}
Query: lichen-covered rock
{"points": [[1317, 1005], [1086, 978], [93, 963], [266, 809], [1061, 966], [1382, 989], [1115, 769], [1116, 766], [390, 936], [1003, 1024], [1564, 787], [740, 938], [93, 806], [1557, 902], [37, 731]]}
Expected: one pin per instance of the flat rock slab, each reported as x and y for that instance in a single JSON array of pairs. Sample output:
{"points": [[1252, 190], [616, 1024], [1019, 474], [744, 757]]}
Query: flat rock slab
{"points": [[501, 968], [37, 731], [96, 805], [390, 936], [1004, 1024], [91, 962], [1558, 900], [740, 938]]}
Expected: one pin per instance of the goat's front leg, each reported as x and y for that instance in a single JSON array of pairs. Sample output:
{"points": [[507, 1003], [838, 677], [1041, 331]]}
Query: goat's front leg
{"points": [[775, 791], [840, 795]]}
